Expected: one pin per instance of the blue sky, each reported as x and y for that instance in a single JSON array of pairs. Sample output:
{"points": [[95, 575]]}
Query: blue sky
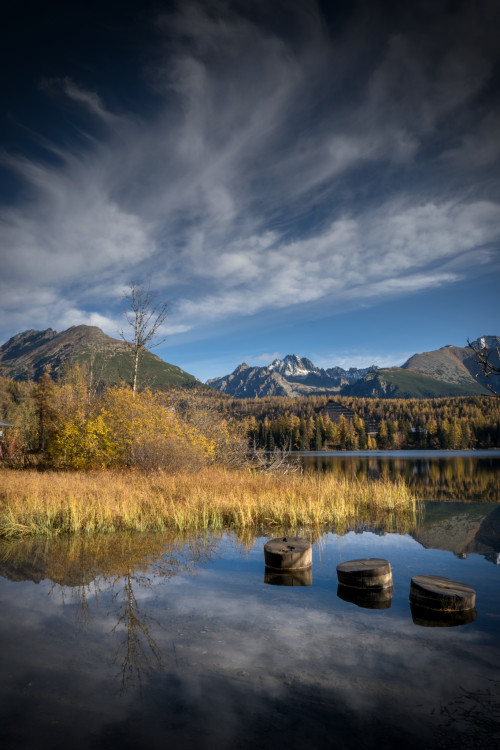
{"points": [[293, 177]]}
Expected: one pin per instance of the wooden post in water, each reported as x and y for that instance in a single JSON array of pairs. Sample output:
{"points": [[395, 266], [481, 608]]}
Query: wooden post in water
{"points": [[288, 553], [365, 573], [441, 594]]}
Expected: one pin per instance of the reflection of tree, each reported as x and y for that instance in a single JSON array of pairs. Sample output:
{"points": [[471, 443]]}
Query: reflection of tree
{"points": [[78, 561], [476, 715], [82, 568], [140, 651], [461, 478]]}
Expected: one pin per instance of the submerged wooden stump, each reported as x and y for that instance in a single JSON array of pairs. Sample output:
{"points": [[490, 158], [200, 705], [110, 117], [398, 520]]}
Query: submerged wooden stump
{"points": [[288, 553], [431, 618], [441, 594], [302, 577], [365, 573], [373, 598]]}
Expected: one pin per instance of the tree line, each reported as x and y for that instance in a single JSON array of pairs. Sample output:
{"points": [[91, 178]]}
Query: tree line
{"points": [[71, 423], [302, 424]]}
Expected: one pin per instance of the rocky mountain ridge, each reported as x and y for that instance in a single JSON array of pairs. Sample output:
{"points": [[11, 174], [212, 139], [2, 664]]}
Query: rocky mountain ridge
{"points": [[26, 355], [291, 376], [449, 371]]}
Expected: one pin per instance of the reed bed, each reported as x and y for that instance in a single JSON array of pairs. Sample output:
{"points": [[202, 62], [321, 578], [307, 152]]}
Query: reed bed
{"points": [[52, 503]]}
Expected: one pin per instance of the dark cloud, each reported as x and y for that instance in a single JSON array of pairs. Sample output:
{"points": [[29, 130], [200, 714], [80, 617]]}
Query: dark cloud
{"points": [[240, 149]]}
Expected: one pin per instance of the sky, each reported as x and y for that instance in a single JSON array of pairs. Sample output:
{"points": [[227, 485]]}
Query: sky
{"points": [[295, 176]]}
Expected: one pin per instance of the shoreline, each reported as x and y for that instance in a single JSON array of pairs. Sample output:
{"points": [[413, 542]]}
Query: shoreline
{"points": [[410, 453]]}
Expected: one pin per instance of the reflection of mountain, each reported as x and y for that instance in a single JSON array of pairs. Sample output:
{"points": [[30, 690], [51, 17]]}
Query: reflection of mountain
{"points": [[461, 528]]}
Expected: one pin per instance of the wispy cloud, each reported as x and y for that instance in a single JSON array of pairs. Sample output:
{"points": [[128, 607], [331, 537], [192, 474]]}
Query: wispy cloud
{"points": [[89, 100], [396, 249], [353, 358], [277, 168]]}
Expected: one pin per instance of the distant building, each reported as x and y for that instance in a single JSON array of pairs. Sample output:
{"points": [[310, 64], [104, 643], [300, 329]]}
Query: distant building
{"points": [[2, 425], [336, 412]]}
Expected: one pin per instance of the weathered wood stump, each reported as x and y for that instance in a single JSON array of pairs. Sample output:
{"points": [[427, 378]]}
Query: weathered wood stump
{"points": [[430, 618], [366, 598], [441, 594], [288, 553], [289, 577], [371, 573]]}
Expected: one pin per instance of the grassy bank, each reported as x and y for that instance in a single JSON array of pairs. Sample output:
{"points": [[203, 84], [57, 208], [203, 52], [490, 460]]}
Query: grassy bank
{"points": [[52, 503]]}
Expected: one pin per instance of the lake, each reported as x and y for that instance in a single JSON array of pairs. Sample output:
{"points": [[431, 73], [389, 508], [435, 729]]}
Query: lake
{"points": [[154, 640], [433, 475]]}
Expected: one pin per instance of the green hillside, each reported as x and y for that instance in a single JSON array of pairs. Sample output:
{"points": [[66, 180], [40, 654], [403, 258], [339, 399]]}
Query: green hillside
{"points": [[113, 368], [395, 382], [27, 355]]}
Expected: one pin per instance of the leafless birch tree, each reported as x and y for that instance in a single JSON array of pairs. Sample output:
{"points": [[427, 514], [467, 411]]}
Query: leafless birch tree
{"points": [[145, 315], [482, 356]]}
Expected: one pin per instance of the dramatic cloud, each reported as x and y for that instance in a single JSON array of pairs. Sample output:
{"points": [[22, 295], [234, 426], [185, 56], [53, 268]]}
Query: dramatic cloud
{"points": [[281, 161]]}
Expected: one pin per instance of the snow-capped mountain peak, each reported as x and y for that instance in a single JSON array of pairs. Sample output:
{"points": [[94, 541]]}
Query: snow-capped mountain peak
{"points": [[293, 366], [487, 342]]}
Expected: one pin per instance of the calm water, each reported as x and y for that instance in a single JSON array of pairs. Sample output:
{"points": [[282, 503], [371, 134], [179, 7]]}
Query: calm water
{"points": [[153, 642], [433, 475]]}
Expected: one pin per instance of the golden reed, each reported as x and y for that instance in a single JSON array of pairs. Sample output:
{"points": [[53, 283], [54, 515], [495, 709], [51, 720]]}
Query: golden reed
{"points": [[51, 503]]}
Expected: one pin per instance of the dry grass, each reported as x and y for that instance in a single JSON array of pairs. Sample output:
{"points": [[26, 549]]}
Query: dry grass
{"points": [[51, 503]]}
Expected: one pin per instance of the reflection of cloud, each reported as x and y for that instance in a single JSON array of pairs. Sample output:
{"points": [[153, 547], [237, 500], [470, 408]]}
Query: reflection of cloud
{"points": [[240, 656]]}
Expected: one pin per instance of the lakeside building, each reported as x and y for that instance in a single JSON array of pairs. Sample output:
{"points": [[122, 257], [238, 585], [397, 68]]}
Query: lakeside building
{"points": [[336, 412], [2, 425]]}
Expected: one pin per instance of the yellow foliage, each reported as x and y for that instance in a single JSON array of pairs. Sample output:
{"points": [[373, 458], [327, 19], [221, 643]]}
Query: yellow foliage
{"points": [[83, 443], [139, 431]]}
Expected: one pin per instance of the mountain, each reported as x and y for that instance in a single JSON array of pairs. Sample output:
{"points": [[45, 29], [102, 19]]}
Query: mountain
{"points": [[26, 355], [291, 376], [455, 364], [252, 382], [302, 371], [396, 382], [449, 371]]}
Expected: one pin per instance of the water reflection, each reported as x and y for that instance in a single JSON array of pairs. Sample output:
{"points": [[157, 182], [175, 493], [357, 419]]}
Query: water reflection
{"points": [[76, 561], [438, 477], [366, 598], [210, 656], [290, 578], [461, 528], [118, 564], [432, 619], [137, 653]]}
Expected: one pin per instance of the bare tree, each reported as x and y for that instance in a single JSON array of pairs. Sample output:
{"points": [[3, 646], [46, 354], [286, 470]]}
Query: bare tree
{"points": [[145, 315], [482, 357]]}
